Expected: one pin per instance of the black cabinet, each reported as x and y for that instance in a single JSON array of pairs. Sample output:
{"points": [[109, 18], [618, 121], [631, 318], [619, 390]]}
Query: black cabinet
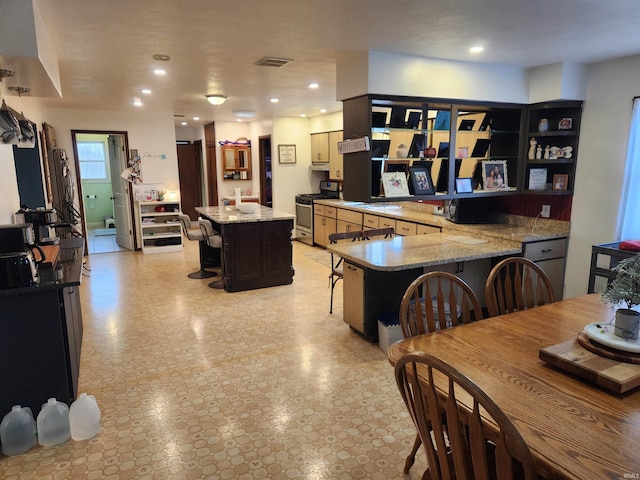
{"points": [[452, 139], [552, 147]]}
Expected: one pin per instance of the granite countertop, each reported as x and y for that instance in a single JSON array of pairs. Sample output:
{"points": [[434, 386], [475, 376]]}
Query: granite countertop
{"points": [[417, 251], [509, 227], [230, 214]]}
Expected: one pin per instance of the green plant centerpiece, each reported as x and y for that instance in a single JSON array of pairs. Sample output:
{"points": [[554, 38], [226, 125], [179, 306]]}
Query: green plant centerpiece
{"points": [[625, 289]]}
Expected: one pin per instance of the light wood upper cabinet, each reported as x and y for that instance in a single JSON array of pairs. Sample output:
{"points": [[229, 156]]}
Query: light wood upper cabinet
{"points": [[320, 147], [335, 158]]}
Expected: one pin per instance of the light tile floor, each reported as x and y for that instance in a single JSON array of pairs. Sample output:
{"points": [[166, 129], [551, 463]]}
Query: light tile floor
{"points": [[199, 383], [102, 243]]}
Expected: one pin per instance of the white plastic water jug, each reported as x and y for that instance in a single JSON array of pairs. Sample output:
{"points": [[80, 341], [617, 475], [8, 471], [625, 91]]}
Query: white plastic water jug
{"points": [[17, 431], [84, 417], [53, 423]]}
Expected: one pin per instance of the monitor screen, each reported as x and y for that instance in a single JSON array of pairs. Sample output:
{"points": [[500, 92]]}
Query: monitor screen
{"points": [[380, 148]]}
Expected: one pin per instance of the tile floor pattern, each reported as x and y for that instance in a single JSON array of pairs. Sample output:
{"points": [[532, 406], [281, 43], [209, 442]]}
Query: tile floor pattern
{"points": [[199, 383], [102, 243]]}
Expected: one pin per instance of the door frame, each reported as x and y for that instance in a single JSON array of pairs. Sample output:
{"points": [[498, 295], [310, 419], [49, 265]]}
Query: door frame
{"points": [[76, 164], [212, 168], [262, 154]]}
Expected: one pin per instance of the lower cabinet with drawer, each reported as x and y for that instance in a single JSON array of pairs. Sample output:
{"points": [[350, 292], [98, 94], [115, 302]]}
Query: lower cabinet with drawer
{"points": [[324, 224], [550, 256], [348, 220]]}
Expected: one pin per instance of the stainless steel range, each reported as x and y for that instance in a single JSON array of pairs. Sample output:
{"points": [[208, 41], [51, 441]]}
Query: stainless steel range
{"points": [[304, 209]]}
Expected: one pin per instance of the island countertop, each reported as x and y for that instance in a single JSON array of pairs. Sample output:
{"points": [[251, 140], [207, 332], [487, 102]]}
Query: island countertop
{"points": [[229, 214], [417, 251]]}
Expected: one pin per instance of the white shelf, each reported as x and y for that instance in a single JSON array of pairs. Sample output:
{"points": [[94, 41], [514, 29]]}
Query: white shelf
{"points": [[167, 226]]}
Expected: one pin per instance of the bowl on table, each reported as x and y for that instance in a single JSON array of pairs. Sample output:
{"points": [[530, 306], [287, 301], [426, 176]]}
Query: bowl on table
{"points": [[248, 207]]}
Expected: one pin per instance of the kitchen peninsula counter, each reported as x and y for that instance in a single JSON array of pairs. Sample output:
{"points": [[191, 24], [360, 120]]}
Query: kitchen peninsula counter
{"points": [[256, 247], [509, 227]]}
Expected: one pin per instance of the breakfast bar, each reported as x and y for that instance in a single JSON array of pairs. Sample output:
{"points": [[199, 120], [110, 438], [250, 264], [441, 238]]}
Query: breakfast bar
{"points": [[256, 247], [377, 272]]}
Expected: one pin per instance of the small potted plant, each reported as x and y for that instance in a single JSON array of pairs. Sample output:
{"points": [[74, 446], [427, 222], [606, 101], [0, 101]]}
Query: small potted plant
{"points": [[625, 289]]}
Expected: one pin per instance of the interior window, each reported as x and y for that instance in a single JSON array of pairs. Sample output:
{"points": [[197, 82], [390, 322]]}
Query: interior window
{"points": [[628, 225], [92, 156]]}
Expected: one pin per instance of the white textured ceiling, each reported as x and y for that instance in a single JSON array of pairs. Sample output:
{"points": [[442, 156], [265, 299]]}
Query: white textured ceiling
{"points": [[105, 47]]}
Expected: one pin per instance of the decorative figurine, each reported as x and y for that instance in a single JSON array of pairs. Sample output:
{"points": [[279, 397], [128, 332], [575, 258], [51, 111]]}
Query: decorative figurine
{"points": [[539, 152], [532, 148], [546, 152]]}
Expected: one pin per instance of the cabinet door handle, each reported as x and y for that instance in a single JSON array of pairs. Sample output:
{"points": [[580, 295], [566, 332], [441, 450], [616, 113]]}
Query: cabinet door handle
{"points": [[405, 229], [353, 269], [546, 250]]}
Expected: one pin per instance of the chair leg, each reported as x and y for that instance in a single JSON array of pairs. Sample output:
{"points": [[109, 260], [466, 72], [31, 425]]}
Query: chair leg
{"points": [[332, 285], [411, 458], [202, 273]]}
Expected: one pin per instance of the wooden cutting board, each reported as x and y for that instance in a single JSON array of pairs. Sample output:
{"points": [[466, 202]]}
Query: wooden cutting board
{"points": [[614, 375], [51, 254]]}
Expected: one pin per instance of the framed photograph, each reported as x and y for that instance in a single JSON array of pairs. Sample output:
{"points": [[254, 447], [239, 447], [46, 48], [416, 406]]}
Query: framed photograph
{"points": [[421, 182], [538, 179], [565, 124], [286, 153], [395, 184], [494, 174], [560, 181], [463, 185]]}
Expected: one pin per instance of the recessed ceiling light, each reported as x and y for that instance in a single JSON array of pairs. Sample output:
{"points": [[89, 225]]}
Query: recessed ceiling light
{"points": [[216, 99], [476, 49], [159, 71], [303, 115], [238, 119], [137, 102], [323, 110], [183, 123], [275, 100], [313, 85], [146, 91], [196, 118]]}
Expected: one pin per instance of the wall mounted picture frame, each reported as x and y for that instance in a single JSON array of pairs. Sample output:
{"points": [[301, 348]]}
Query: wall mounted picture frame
{"points": [[421, 181], [286, 153], [560, 181], [395, 184], [494, 174]]}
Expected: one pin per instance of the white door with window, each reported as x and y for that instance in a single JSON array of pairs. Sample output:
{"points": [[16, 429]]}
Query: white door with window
{"points": [[121, 208]]}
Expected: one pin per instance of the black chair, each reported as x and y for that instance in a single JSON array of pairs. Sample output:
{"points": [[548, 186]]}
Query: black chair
{"points": [[214, 240], [195, 234]]}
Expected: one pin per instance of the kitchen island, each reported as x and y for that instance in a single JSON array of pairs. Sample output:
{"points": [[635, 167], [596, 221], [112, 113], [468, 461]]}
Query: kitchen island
{"points": [[256, 247], [378, 272]]}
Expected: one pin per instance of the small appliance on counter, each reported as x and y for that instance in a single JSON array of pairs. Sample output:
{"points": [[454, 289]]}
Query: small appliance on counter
{"points": [[43, 220], [468, 210], [18, 266]]}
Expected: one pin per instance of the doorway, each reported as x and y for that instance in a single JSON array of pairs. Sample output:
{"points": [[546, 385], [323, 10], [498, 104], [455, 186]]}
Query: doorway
{"points": [[266, 172], [190, 174], [100, 158]]}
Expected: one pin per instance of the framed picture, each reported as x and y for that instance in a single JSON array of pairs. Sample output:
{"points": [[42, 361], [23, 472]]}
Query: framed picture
{"points": [[463, 185], [560, 181], [286, 153], [395, 184], [421, 182], [538, 179], [565, 124], [494, 174]]}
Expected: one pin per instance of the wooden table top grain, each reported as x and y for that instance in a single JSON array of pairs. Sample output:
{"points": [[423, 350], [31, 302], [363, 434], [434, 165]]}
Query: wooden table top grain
{"points": [[575, 429]]}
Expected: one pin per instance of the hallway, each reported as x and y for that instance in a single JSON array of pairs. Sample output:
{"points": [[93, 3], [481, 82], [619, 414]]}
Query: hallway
{"points": [[199, 383]]}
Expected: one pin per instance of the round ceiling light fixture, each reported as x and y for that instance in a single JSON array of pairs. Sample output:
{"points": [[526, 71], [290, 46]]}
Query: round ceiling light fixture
{"points": [[216, 99], [244, 113]]}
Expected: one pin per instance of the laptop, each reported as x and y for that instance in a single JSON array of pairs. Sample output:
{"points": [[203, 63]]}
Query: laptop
{"points": [[481, 147], [398, 115], [467, 124], [443, 149], [442, 185], [413, 120]]}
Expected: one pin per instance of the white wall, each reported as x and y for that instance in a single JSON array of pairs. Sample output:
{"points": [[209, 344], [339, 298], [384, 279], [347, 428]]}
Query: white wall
{"points": [[601, 160]]}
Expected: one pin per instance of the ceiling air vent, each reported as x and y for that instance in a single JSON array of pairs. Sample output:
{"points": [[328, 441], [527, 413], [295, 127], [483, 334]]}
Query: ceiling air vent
{"points": [[272, 62]]}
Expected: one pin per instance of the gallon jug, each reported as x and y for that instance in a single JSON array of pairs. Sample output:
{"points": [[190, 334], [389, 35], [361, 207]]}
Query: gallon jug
{"points": [[53, 423], [17, 431], [84, 417]]}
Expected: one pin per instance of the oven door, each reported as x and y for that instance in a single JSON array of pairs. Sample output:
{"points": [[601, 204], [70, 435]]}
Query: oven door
{"points": [[304, 223]]}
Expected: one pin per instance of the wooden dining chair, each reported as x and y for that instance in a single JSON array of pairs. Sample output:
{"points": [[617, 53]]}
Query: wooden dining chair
{"points": [[516, 283], [426, 307], [377, 233], [465, 434]]}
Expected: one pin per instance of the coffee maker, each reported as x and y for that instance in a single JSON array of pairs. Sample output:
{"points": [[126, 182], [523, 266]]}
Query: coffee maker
{"points": [[43, 221], [18, 266]]}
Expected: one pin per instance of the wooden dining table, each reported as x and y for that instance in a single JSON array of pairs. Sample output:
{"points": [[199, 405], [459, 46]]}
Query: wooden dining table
{"points": [[575, 428]]}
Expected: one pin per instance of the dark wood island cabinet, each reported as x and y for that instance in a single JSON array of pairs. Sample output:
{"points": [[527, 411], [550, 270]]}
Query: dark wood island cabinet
{"points": [[256, 247], [41, 335]]}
